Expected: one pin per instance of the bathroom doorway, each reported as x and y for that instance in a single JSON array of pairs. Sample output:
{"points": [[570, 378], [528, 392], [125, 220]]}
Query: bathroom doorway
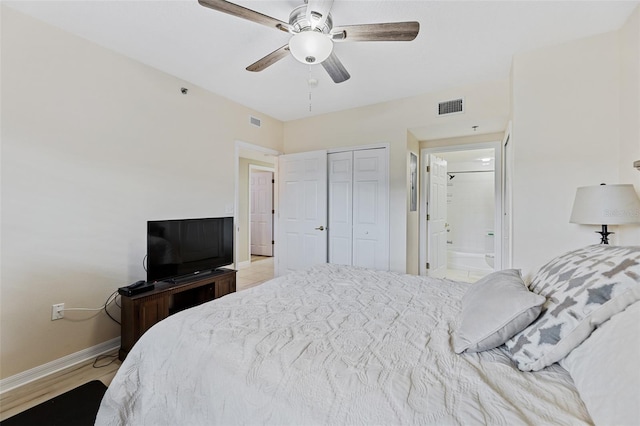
{"points": [[473, 211]]}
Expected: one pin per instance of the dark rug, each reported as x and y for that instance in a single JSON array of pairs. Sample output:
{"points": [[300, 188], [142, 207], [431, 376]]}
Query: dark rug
{"points": [[78, 407]]}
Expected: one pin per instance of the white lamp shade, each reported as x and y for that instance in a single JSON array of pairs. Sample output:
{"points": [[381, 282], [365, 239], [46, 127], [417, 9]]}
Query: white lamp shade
{"points": [[606, 205], [310, 47]]}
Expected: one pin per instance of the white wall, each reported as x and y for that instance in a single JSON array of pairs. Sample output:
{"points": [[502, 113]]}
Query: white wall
{"points": [[94, 145], [629, 39], [566, 134], [471, 212]]}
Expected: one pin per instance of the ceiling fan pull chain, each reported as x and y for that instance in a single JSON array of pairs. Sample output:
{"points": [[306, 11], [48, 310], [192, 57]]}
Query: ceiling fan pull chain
{"points": [[310, 84]]}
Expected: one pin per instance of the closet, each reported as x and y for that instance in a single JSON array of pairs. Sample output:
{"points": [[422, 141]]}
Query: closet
{"points": [[358, 205]]}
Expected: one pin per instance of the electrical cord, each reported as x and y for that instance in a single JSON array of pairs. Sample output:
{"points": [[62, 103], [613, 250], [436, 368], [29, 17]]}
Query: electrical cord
{"points": [[115, 296], [101, 357], [111, 299]]}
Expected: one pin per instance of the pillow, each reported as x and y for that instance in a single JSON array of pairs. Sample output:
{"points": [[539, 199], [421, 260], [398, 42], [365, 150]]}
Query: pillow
{"points": [[605, 369], [584, 288], [494, 309]]}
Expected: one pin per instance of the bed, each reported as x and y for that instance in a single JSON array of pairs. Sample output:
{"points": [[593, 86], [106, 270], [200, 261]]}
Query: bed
{"points": [[345, 345]]}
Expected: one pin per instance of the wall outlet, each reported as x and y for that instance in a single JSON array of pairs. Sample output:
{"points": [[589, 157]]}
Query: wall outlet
{"points": [[57, 311]]}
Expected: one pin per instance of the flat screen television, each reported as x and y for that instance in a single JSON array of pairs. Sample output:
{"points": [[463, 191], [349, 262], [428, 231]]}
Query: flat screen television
{"points": [[183, 247]]}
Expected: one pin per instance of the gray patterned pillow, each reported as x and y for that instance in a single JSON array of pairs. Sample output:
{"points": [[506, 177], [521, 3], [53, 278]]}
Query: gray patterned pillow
{"points": [[584, 288]]}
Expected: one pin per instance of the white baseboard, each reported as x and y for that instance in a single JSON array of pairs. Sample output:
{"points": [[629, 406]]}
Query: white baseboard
{"points": [[59, 364]]}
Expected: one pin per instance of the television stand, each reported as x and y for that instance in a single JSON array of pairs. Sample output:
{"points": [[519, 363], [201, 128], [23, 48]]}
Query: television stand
{"points": [[141, 311]]}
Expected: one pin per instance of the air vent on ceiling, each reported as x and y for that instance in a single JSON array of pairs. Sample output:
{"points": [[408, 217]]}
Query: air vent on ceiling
{"points": [[255, 121], [451, 107]]}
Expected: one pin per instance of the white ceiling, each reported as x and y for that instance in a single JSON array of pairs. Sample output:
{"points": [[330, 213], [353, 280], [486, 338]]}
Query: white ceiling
{"points": [[460, 43]]}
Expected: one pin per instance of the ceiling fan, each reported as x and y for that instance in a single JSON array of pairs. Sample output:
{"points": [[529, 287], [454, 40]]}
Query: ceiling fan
{"points": [[313, 34]]}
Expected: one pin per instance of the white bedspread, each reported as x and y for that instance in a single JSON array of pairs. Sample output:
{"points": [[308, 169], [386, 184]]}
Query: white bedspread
{"points": [[330, 345]]}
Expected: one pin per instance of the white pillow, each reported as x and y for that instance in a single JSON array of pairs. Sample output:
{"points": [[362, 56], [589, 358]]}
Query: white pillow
{"points": [[494, 309], [584, 288], [605, 369]]}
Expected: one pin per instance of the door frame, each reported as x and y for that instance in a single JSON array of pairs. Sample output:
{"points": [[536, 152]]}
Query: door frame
{"points": [[436, 269], [255, 167], [507, 203], [241, 146], [499, 207]]}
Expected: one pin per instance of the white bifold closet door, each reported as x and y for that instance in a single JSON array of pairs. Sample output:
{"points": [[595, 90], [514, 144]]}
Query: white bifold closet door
{"points": [[359, 208]]}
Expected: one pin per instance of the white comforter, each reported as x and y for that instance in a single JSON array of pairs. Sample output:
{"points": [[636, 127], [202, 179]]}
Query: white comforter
{"points": [[330, 345]]}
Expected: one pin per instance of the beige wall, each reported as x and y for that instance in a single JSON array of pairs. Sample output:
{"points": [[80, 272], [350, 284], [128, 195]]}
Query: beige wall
{"points": [[242, 240], [388, 123], [566, 134], [94, 145], [629, 39]]}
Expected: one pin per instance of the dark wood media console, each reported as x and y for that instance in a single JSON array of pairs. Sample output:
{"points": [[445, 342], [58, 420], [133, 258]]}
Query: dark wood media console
{"points": [[141, 311]]}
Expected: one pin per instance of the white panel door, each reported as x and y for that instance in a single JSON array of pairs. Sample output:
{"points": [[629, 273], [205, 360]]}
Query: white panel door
{"points": [[340, 207], [261, 213], [370, 209], [436, 216], [302, 212]]}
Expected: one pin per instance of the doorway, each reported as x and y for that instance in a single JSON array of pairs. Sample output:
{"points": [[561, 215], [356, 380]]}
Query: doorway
{"points": [[472, 212], [249, 158]]}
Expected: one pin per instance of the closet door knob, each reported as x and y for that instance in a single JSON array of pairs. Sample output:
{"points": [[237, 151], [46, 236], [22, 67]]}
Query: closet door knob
{"points": [[320, 228]]}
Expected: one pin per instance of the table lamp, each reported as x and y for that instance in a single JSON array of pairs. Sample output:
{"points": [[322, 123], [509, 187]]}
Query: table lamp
{"points": [[606, 205]]}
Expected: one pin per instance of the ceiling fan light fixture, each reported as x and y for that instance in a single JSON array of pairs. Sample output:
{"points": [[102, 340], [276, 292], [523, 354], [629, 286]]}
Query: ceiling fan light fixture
{"points": [[310, 47]]}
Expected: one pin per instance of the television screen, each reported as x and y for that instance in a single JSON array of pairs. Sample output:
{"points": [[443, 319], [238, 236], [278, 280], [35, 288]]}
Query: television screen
{"points": [[188, 246]]}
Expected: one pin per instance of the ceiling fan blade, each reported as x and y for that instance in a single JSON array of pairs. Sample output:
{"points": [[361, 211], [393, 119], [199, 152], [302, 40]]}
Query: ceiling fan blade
{"points": [[335, 69], [244, 13], [318, 11], [389, 31], [270, 59]]}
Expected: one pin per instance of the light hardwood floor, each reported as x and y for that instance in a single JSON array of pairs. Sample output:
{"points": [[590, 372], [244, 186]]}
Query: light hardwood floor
{"points": [[259, 271], [31, 394], [20, 399]]}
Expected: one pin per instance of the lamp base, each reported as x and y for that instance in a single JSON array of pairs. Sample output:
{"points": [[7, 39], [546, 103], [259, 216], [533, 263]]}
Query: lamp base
{"points": [[605, 234]]}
